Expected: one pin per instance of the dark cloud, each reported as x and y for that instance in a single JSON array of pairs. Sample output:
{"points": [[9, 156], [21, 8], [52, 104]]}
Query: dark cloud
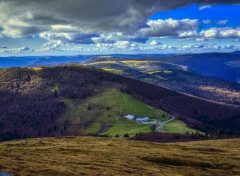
{"points": [[29, 30], [3, 47], [24, 49], [77, 38], [89, 16], [139, 39], [83, 38], [16, 50], [40, 19]]}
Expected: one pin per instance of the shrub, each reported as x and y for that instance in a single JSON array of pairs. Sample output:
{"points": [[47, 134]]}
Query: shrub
{"points": [[126, 135]]}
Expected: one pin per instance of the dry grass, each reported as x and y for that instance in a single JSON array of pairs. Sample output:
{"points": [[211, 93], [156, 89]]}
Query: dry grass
{"points": [[159, 71], [135, 62], [103, 156], [116, 71], [37, 68], [103, 62], [221, 91]]}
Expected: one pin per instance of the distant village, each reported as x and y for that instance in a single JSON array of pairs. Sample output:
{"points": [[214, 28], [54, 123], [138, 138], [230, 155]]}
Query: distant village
{"points": [[131, 117]]}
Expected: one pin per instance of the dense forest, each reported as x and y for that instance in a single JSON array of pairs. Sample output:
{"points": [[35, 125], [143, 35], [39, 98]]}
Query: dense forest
{"points": [[30, 104]]}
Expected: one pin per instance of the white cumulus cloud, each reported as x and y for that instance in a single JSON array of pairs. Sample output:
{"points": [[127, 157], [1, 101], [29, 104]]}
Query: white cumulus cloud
{"points": [[221, 33], [170, 28], [222, 22]]}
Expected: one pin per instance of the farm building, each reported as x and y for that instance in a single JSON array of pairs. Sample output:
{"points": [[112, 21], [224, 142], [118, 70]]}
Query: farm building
{"points": [[145, 119], [130, 117]]}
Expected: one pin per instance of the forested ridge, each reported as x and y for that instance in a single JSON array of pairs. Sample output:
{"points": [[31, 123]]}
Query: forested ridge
{"points": [[30, 103]]}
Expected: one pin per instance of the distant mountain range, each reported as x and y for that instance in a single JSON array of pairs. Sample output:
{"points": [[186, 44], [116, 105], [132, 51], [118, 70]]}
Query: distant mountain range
{"points": [[219, 65], [6, 62], [35, 61]]}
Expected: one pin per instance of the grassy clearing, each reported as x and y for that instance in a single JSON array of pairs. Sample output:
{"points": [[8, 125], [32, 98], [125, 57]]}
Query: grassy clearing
{"points": [[130, 129], [135, 62], [103, 62], [160, 71], [108, 107], [178, 126], [37, 68], [153, 72], [167, 71], [115, 71], [90, 129], [103, 156], [53, 89]]}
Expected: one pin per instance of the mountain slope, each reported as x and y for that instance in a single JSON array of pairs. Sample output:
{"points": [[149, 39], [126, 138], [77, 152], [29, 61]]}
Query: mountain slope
{"points": [[171, 76], [31, 100]]}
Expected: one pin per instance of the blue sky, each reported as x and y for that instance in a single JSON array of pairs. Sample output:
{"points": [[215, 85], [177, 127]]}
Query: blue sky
{"points": [[214, 13], [128, 29]]}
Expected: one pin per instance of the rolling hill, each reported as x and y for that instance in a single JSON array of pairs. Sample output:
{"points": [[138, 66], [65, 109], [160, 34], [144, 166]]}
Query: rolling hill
{"points": [[36, 61], [162, 72], [49, 101]]}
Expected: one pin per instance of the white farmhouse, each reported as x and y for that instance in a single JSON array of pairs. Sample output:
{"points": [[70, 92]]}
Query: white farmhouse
{"points": [[130, 117], [145, 119]]}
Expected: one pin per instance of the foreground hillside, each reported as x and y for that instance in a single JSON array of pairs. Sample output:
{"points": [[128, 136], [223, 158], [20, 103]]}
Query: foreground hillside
{"points": [[103, 156]]}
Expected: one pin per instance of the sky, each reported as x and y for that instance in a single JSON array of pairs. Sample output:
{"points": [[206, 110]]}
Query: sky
{"points": [[75, 27]]}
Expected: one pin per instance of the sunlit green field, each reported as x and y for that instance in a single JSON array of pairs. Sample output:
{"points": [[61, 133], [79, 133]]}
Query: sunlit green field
{"points": [[115, 71], [130, 129], [105, 156], [178, 126], [108, 107]]}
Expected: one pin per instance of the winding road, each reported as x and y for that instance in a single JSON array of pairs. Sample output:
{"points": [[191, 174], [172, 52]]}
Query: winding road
{"points": [[102, 130], [158, 128]]}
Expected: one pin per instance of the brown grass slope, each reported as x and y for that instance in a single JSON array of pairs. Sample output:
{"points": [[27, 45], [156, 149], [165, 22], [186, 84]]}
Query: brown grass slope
{"points": [[103, 156]]}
